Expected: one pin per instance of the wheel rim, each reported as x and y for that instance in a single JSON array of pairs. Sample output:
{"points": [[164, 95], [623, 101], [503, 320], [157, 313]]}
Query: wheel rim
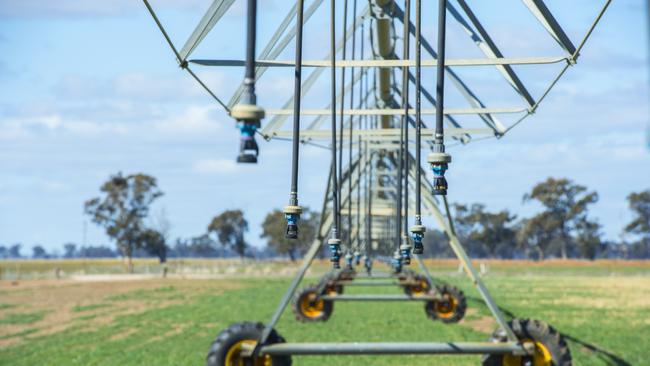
{"points": [[541, 356], [421, 288], [311, 306], [234, 355], [447, 307]]}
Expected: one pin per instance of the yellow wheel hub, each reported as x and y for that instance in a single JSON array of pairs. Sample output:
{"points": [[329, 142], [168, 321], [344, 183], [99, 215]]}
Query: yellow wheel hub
{"points": [[311, 306], [446, 309], [234, 355], [541, 357], [421, 288]]}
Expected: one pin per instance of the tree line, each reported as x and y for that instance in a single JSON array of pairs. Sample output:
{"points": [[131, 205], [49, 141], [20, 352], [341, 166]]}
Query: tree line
{"points": [[562, 228]]}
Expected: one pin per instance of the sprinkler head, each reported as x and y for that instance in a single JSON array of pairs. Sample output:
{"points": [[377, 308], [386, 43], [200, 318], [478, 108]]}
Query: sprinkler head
{"points": [[292, 214], [439, 163], [357, 257], [335, 252], [248, 118], [348, 260], [405, 251], [417, 234], [367, 262], [248, 149], [397, 262]]}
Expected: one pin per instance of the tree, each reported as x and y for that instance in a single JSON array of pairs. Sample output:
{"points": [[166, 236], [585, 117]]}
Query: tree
{"points": [[465, 224], [122, 208], [154, 243], [38, 252], [99, 251], [588, 238], [436, 244], [491, 230], [534, 235], [640, 226], [14, 251], [70, 250], [202, 246], [4, 252], [229, 227], [274, 227], [565, 206]]}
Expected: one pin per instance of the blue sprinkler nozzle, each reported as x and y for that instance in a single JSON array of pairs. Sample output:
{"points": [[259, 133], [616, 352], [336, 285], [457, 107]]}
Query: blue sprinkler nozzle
{"points": [[397, 262], [367, 262], [418, 248], [292, 226], [348, 260], [357, 258], [439, 182], [405, 251], [292, 214], [439, 164], [248, 149], [335, 252]]}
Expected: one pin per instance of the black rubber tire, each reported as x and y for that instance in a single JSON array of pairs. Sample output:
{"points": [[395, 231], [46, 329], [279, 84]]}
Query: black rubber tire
{"points": [[452, 293], [537, 331], [239, 332], [409, 289], [301, 315]]}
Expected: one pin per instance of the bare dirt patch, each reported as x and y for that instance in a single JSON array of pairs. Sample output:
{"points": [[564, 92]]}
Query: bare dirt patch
{"points": [[59, 299], [485, 324]]}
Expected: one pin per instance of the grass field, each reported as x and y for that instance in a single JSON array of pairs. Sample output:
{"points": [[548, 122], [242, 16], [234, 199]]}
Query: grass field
{"points": [[603, 308]]}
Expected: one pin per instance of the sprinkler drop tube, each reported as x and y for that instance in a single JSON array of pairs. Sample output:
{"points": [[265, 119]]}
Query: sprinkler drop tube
{"points": [[405, 245], [334, 242], [438, 159], [251, 30], [417, 231], [293, 211]]}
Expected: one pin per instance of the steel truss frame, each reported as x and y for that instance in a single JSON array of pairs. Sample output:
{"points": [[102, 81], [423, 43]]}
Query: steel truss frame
{"points": [[379, 14]]}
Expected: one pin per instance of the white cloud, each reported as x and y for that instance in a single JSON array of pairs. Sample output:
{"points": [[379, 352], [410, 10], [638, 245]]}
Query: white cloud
{"points": [[215, 166], [86, 8], [194, 121]]}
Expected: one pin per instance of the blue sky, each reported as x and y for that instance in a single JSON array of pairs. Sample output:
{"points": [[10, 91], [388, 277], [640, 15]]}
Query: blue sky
{"points": [[90, 88]]}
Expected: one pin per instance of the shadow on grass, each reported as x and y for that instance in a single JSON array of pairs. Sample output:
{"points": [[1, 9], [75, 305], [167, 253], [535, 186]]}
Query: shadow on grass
{"points": [[606, 356]]}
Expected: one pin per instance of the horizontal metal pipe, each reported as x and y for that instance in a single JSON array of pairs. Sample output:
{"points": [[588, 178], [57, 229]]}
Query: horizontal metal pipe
{"points": [[388, 134], [392, 63], [372, 283], [367, 297], [393, 348], [397, 112]]}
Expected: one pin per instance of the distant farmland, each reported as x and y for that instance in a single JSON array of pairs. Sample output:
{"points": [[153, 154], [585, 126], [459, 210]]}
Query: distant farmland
{"points": [[602, 307]]}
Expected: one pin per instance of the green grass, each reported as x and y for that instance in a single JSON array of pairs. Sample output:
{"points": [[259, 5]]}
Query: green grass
{"points": [[22, 318], [605, 323], [22, 333], [83, 308]]}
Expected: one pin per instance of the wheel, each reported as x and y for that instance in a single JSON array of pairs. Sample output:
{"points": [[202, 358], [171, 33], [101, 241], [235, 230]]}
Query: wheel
{"points": [[309, 307], [227, 349], [550, 347], [421, 287], [451, 308], [329, 287]]}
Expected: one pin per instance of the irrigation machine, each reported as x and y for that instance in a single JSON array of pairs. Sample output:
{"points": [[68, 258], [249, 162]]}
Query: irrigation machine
{"points": [[376, 134]]}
